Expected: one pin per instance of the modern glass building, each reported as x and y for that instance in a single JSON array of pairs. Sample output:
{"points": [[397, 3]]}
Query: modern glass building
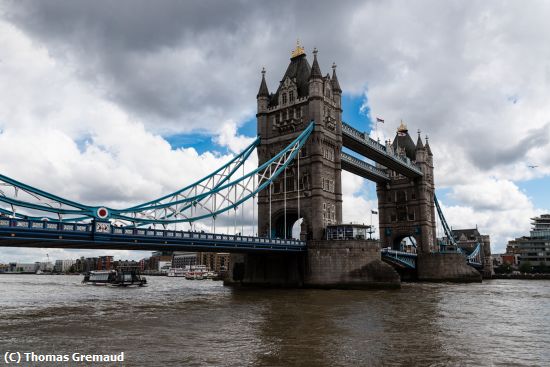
{"points": [[535, 249]]}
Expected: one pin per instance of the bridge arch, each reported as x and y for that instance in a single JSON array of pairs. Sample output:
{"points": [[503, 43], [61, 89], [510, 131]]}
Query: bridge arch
{"points": [[292, 220], [399, 238]]}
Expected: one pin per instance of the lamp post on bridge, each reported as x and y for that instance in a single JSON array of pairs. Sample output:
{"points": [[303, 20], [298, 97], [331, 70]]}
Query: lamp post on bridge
{"points": [[371, 230]]}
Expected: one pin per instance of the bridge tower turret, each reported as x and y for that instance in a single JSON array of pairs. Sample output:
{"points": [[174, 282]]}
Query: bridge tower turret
{"points": [[311, 191], [406, 206]]}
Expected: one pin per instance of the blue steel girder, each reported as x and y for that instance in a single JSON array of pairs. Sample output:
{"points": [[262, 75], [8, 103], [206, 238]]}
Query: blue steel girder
{"points": [[361, 143], [445, 225]]}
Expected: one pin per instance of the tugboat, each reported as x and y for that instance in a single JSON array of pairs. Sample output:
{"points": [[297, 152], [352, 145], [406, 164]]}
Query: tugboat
{"points": [[121, 277]]}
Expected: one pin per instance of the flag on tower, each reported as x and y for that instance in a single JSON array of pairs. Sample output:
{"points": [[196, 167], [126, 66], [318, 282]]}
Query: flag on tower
{"points": [[378, 119]]}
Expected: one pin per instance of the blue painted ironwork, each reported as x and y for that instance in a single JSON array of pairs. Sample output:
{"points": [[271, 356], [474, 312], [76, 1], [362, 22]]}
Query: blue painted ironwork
{"points": [[444, 223], [474, 259], [103, 235], [399, 258]]}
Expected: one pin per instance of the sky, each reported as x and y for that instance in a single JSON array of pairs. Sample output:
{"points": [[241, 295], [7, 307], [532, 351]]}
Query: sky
{"points": [[118, 102]]}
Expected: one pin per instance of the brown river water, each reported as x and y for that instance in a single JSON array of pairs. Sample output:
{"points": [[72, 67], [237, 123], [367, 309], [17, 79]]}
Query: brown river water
{"points": [[176, 322]]}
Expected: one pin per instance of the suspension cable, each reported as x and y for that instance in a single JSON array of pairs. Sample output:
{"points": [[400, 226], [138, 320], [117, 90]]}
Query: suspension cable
{"points": [[284, 195], [270, 187]]}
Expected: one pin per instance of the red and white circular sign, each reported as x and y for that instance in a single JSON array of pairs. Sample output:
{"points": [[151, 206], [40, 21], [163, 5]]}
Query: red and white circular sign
{"points": [[102, 213]]}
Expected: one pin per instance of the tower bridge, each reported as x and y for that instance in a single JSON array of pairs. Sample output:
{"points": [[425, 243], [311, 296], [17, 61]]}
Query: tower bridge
{"points": [[298, 180]]}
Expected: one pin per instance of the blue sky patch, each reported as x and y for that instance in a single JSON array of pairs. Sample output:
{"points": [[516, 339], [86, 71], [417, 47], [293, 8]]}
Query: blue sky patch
{"points": [[538, 190]]}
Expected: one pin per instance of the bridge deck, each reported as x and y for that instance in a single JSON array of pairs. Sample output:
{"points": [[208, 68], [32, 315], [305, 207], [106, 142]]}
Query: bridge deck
{"points": [[101, 235], [361, 143]]}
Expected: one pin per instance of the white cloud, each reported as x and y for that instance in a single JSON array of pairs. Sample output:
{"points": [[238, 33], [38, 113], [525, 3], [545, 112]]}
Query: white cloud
{"points": [[496, 207], [228, 137]]}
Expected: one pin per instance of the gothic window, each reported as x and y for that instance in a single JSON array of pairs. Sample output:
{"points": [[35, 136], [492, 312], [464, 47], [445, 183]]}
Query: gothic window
{"points": [[303, 152], [413, 195], [401, 196], [290, 184], [304, 182], [291, 96], [401, 215], [393, 218], [284, 98], [411, 215]]}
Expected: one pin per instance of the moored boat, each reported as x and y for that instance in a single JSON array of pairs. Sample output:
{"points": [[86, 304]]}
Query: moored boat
{"points": [[122, 277], [176, 272]]}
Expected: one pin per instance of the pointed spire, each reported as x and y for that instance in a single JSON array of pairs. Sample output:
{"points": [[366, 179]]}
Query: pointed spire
{"points": [[315, 69], [427, 146], [335, 84], [419, 144], [263, 92]]}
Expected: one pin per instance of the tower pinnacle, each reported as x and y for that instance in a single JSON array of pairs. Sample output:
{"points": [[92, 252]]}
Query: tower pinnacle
{"points": [[334, 80], [263, 92], [299, 50], [315, 69]]}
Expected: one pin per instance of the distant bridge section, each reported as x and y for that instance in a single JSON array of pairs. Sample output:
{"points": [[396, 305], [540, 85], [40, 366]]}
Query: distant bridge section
{"points": [[361, 143], [102, 235], [402, 259]]}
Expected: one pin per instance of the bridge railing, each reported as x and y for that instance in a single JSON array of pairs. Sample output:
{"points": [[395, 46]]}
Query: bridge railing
{"points": [[396, 252], [401, 257], [47, 225], [364, 165], [364, 138], [40, 225]]}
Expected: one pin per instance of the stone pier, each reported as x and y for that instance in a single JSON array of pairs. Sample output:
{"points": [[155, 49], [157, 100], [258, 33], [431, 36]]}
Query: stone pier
{"points": [[327, 264], [443, 267]]}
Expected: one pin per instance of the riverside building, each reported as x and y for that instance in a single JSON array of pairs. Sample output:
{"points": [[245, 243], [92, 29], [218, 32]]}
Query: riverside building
{"points": [[535, 248]]}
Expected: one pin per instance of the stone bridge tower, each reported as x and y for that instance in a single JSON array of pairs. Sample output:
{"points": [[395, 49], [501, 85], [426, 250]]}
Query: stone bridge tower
{"points": [[406, 206], [303, 95]]}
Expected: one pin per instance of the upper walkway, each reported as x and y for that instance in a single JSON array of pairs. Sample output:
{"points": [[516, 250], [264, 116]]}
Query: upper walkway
{"points": [[361, 143], [363, 169]]}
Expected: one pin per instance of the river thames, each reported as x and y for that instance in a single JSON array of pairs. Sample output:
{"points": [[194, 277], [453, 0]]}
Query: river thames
{"points": [[176, 322]]}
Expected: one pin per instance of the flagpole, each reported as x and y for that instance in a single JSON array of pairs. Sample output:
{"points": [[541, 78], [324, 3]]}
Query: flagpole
{"points": [[378, 119], [371, 231]]}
